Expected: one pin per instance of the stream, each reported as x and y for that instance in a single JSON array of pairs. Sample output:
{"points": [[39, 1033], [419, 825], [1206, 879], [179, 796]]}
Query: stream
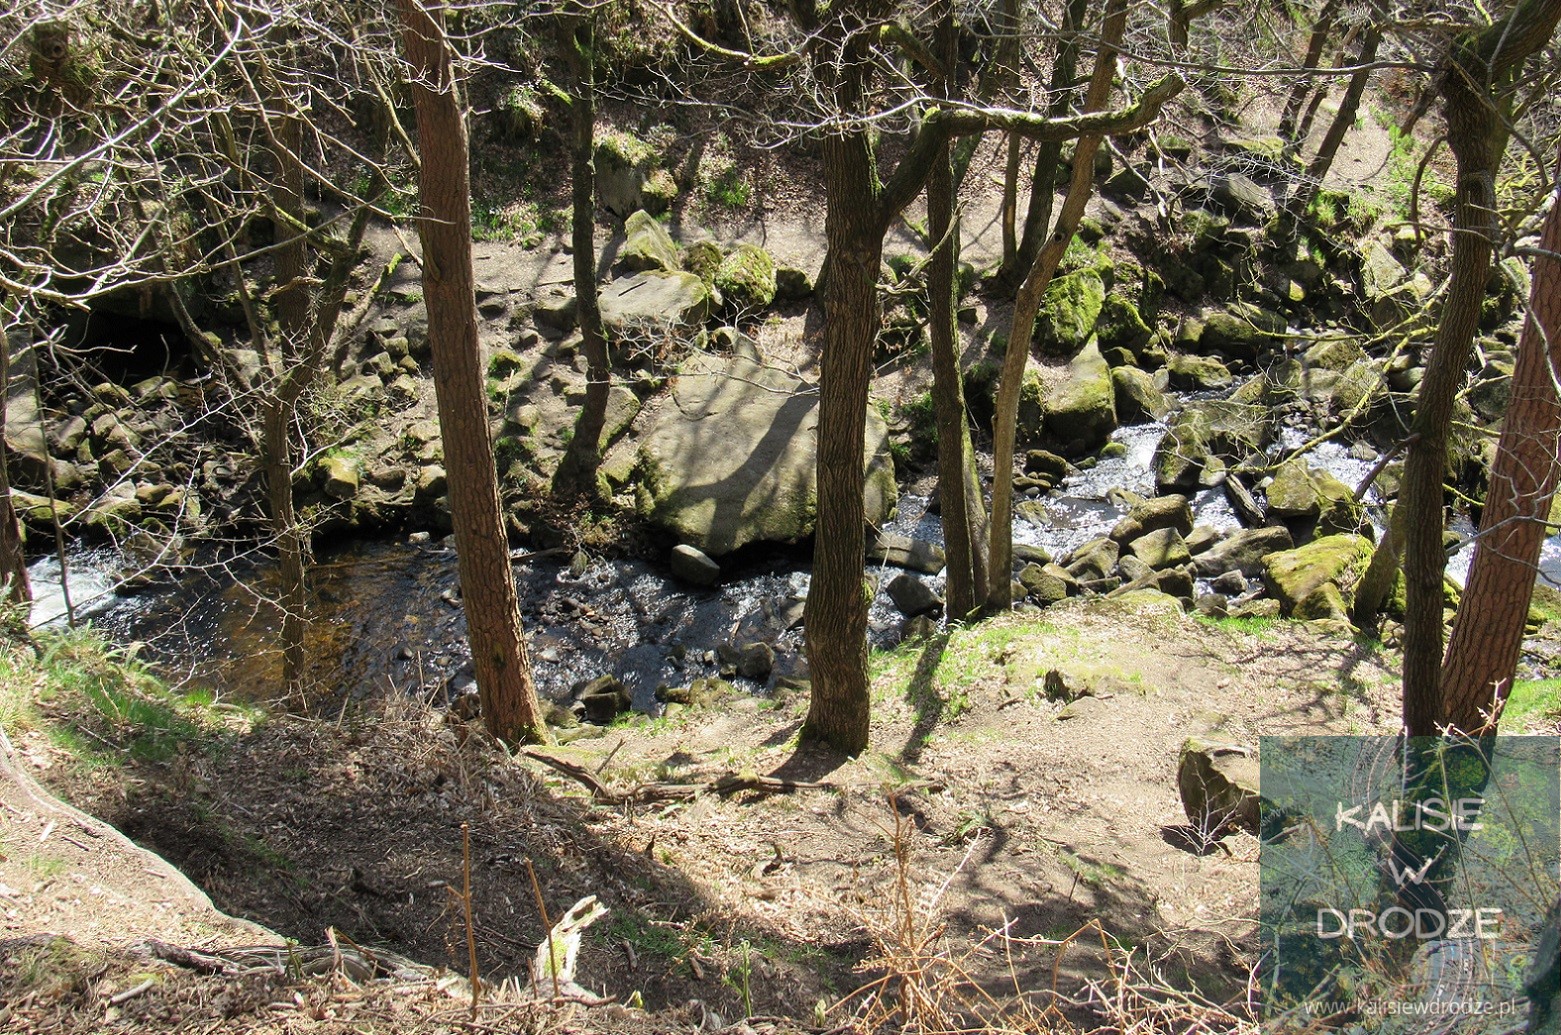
{"points": [[387, 616]]}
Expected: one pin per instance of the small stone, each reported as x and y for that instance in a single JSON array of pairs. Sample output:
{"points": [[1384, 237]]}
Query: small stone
{"points": [[692, 565], [913, 597], [1231, 583]]}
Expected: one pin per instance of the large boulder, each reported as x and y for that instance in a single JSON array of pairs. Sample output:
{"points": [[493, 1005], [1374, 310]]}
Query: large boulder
{"points": [[1148, 515], [1206, 438], [1242, 198], [648, 245], [1081, 413], [746, 278], [624, 167], [1196, 373], [1138, 400], [1218, 786], [1160, 549], [1068, 312], [730, 458], [1242, 551], [1314, 498], [1121, 324], [654, 305], [1244, 331], [1319, 579]]}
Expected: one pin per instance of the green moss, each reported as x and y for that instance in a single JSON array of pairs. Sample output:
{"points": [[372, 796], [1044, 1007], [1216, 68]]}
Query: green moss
{"points": [[746, 278], [1068, 312], [624, 148]]}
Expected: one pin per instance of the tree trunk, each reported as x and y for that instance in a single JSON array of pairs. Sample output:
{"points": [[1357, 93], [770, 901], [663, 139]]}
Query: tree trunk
{"points": [[576, 473], [1343, 120], [503, 670], [1043, 180], [959, 486], [13, 561], [835, 621], [999, 595], [1482, 654], [1477, 62], [290, 372]]}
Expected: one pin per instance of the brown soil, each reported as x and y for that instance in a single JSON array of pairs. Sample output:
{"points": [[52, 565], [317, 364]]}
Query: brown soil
{"points": [[1005, 809]]}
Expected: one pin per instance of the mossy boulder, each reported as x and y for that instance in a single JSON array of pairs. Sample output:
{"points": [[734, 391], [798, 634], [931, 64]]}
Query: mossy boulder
{"points": [[339, 474], [624, 164], [1292, 577], [1243, 331], [792, 284], [1206, 438], [1314, 496], [648, 245], [746, 278], [1081, 413], [1145, 516], [1196, 373], [1121, 325], [1068, 312], [1138, 399], [702, 259], [1162, 548]]}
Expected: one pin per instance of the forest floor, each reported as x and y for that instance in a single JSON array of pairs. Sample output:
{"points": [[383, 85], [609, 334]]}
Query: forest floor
{"points": [[991, 840]]}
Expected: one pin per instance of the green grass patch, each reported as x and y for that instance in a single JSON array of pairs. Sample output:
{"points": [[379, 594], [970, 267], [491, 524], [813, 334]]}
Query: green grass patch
{"points": [[1262, 628], [104, 707], [1531, 701]]}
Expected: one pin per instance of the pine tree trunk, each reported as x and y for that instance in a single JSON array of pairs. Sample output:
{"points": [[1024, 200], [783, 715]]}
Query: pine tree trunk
{"points": [[835, 621], [1482, 654], [1477, 62], [503, 670]]}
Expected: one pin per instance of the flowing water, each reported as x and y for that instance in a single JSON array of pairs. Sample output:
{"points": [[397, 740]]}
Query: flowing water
{"points": [[386, 613]]}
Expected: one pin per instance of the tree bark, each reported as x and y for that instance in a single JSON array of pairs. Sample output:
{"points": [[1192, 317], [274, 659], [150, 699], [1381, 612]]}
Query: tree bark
{"points": [[835, 621], [1043, 178], [502, 668], [959, 485], [999, 594], [1476, 63], [13, 561], [576, 475], [1482, 654]]}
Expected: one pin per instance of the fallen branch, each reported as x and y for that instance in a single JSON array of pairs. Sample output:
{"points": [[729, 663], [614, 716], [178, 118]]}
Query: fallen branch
{"points": [[653, 793]]}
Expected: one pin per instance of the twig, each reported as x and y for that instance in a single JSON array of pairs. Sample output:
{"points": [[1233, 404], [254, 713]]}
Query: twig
{"points": [[547, 926], [466, 903], [130, 993]]}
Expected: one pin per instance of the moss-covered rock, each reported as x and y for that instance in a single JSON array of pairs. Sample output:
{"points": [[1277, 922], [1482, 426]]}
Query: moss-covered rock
{"points": [[624, 164], [1197, 373], [792, 284], [1068, 312], [1292, 576], [1243, 331], [648, 245], [1081, 414], [1145, 516], [1207, 437], [1137, 397], [1121, 325], [702, 259], [746, 278], [1161, 548]]}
